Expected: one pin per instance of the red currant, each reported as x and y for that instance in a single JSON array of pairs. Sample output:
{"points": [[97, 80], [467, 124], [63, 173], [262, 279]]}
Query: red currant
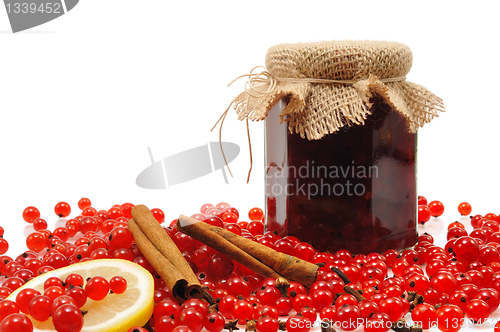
{"points": [[455, 232], [422, 200], [393, 307], [166, 308], [437, 208], [39, 307], [30, 214], [83, 203], [127, 210], [204, 208], [78, 294], [4, 246], [191, 318], [298, 323], [97, 288], [89, 211], [114, 213], [158, 214], [424, 214], [16, 323], [62, 209], [220, 266], [163, 324], [8, 307], [229, 217], [238, 287], [255, 214], [255, 228], [464, 208], [197, 304], [348, 317], [226, 305], [449, 318], [424, 314], [39, 224], [466, 249], [67, 318], [182, 328], [24, 297], [118, 285], [267, 324]]}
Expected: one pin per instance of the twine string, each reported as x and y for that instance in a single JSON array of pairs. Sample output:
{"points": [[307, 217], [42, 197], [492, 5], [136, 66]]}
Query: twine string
{"points": [[261, 84], [221, 120]]}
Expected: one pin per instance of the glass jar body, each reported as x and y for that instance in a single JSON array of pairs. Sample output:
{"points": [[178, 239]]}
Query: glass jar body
{"points": [[354, 190]]}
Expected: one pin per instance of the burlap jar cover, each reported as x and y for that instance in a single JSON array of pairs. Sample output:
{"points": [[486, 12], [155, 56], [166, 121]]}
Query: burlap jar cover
{"points": [[328, 86]]}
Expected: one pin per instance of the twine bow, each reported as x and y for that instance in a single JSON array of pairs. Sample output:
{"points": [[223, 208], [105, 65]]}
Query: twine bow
{"points": [[262, 84]]}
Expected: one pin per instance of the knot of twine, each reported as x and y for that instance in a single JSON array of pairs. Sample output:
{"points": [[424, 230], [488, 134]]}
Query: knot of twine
{"points": [[262, 84]]}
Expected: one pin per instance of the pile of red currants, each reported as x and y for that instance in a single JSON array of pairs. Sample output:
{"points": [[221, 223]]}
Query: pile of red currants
{"points": [[438, 287], [61, 300]]}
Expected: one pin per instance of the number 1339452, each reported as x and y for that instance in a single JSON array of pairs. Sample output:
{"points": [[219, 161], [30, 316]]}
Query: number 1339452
{"points": [[31, 8]]}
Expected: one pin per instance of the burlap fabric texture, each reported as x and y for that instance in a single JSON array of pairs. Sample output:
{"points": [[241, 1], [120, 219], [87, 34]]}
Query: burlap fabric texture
{"points": [[328, 86]]}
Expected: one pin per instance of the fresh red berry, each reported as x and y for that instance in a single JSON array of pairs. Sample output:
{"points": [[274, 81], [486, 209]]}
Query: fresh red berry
{"points": [[16, 323], [466, 248], [255, 214], [348, 317], [39, 224], [127, 210], [214, 322], [84, 203], [464, 208], [67, 318], [449, 318], [267, 324], [97, 288], [422, 200], [118, 285], [424, 214], [8, 307], [62, 209], [30, 214], [297, 323], [4, 246], [437, 208], [159, 215], [36, 242], [191, 318]]}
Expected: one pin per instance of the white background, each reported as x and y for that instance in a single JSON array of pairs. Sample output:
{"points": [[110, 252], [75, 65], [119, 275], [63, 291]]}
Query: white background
{"points": [[84, 96]]}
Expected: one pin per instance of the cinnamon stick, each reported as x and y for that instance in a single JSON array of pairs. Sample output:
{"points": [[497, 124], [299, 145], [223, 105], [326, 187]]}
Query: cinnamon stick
{"points": [[401, 326], [290, 267], [355, 293], [197, 231], [174, 280], [166, 246]]}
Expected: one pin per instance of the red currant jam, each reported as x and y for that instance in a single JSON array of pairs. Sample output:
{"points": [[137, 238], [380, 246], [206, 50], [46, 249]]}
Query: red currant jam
{"points": [[354, 190]]}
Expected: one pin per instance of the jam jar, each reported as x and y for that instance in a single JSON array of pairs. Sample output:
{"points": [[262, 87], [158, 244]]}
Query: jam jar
{"points": [[354, 189], [341, 123]]}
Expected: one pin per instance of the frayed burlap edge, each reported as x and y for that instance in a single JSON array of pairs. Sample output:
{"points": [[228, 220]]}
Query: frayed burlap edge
{"points": [[317, 109]]}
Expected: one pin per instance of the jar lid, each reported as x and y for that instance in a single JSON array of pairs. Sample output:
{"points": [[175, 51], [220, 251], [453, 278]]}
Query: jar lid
{"points": [[328, 85]]}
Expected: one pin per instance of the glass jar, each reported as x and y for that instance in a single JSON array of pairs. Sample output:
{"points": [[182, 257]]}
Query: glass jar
{"points": [[341, 123], [354, 189]]}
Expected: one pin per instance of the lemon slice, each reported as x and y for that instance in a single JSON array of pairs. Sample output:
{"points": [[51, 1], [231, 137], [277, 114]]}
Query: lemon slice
{"points": [[117, 312]]}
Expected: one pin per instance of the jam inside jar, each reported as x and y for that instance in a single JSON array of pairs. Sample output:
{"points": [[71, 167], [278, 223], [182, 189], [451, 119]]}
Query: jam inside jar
{"points": [[354, 189]]}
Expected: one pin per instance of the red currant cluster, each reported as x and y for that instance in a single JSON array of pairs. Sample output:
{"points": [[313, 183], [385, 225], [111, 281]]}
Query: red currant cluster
{"points": [[104, 234], [4, 245], [439, 286], [91, 235], [60, 300], [426, 210]]}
